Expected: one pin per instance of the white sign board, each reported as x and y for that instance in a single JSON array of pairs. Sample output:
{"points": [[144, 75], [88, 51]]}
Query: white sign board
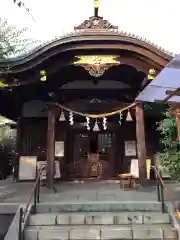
{"points": [[44, 165], [59, 149], [27, 167], [130, 148], [134, 168]]}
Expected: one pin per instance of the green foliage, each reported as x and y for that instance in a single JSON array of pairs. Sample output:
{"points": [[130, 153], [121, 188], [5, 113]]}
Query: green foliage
{"points": [[169, 156], [12, 41], [7, 147]]}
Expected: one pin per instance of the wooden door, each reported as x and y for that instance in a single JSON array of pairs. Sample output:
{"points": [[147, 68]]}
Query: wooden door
{"points": [[81, 149]]}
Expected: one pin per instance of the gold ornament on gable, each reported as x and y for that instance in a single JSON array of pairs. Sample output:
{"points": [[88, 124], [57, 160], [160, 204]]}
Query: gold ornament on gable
{"points": [[96, 65]]}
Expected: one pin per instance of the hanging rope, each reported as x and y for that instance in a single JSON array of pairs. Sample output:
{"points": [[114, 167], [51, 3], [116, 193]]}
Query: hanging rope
{"points": [[97, 115]]}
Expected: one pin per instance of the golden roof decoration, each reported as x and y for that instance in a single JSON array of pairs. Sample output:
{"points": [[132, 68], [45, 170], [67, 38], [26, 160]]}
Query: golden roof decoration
{"points": [[96, 65]]}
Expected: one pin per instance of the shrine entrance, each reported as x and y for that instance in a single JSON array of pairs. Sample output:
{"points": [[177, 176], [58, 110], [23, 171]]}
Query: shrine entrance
{"points": [[93, 155]]}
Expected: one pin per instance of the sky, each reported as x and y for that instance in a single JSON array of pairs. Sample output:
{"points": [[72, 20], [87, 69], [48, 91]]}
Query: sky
{"points": [[155, 20]]}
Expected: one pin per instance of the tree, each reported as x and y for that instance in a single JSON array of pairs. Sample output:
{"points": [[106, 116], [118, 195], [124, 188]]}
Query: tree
{"points": [[169, 156], [12, 40], [7, 146]]}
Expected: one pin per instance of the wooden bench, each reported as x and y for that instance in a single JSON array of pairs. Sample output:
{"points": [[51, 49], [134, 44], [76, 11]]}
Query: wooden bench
{"points": [[127, 180]]}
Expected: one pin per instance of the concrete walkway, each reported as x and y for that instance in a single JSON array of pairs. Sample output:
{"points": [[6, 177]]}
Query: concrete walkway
{"points": [[88, 191]]}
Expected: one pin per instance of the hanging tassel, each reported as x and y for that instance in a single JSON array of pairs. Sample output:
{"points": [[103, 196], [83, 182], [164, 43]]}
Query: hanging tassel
{"points": [[104, 123], [120, 118], [62, 117], [129, 117], [96, 127], [71, 120], [43, 77], [87, 123]]}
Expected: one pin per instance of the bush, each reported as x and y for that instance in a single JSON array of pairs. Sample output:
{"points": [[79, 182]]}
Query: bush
{"points": [[169, 156]]}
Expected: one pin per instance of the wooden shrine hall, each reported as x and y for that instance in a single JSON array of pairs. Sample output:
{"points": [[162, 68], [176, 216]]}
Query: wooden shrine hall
{"points": [[73, 101]]}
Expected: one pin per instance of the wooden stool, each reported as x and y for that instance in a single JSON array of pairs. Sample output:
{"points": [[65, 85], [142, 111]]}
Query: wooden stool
{"points": [[127, 179]]}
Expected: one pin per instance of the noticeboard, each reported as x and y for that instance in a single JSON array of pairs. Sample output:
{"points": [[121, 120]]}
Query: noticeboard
{"points": [[27, 167], [44, 172]]}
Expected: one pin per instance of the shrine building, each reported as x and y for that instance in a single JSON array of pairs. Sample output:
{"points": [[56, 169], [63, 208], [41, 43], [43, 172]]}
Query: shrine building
{"points": [[73, 101]]}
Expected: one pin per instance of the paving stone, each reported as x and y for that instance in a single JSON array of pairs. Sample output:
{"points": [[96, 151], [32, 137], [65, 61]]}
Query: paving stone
{"points": [[85, 234], [63, 219], [141, 206], [77, 219], [31, 234], [129, 218], [42, 219], [8, 208], [170, 234], [53, 235], [89, 220], [116, 233], [147, 234], [98, 206], [103, 219], [152, 218]]}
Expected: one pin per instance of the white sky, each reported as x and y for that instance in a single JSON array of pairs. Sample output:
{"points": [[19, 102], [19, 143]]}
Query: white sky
{"points": [[155, 20]]}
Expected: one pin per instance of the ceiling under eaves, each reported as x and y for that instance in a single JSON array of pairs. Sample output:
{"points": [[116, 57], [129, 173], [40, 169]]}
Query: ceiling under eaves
{"points": [[156, 21]]}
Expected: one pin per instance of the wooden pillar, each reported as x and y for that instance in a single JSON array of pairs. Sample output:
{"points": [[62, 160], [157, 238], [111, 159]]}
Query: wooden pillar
{"points": [[141, 144], [178, 123], [50, 147], [16, 157]]}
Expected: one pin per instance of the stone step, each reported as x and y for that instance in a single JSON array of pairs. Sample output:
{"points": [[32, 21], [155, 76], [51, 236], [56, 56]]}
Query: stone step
{"points": [[98, 206], [98, 218], [101, 233]]}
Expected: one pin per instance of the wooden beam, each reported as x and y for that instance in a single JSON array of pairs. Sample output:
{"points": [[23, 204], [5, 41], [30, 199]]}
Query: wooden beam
{"points": [[173, 92], [50, 147], [141, 144], [16, 159], [175, 112], [178, 125]]}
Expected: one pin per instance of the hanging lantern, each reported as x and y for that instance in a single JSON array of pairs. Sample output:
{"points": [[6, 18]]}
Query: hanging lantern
{"points": [[71, 120], [104, 123], [96, 127], [62, 117], [43, 77], [151, 74], [129, 117], [2, 84], [87, 123]]}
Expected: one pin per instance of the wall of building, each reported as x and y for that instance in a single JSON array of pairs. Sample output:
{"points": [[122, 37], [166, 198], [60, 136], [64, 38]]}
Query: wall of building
{"points": [[33, 138], [33, 142]]}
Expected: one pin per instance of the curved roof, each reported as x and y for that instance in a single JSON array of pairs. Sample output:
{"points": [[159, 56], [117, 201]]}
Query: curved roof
{"points": [[95, 29], [106, 37], [84, 33], [130, 15], [126, 36]]}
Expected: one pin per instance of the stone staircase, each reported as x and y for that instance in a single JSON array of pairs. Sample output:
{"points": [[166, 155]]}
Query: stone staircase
{"points": [[138, 221]]}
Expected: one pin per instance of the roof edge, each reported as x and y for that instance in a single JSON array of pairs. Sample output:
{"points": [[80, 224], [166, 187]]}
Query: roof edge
{"points": [[82, 32]]}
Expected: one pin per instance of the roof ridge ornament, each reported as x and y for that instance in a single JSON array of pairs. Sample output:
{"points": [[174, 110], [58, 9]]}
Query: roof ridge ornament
{"points": [[95, 22]]}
